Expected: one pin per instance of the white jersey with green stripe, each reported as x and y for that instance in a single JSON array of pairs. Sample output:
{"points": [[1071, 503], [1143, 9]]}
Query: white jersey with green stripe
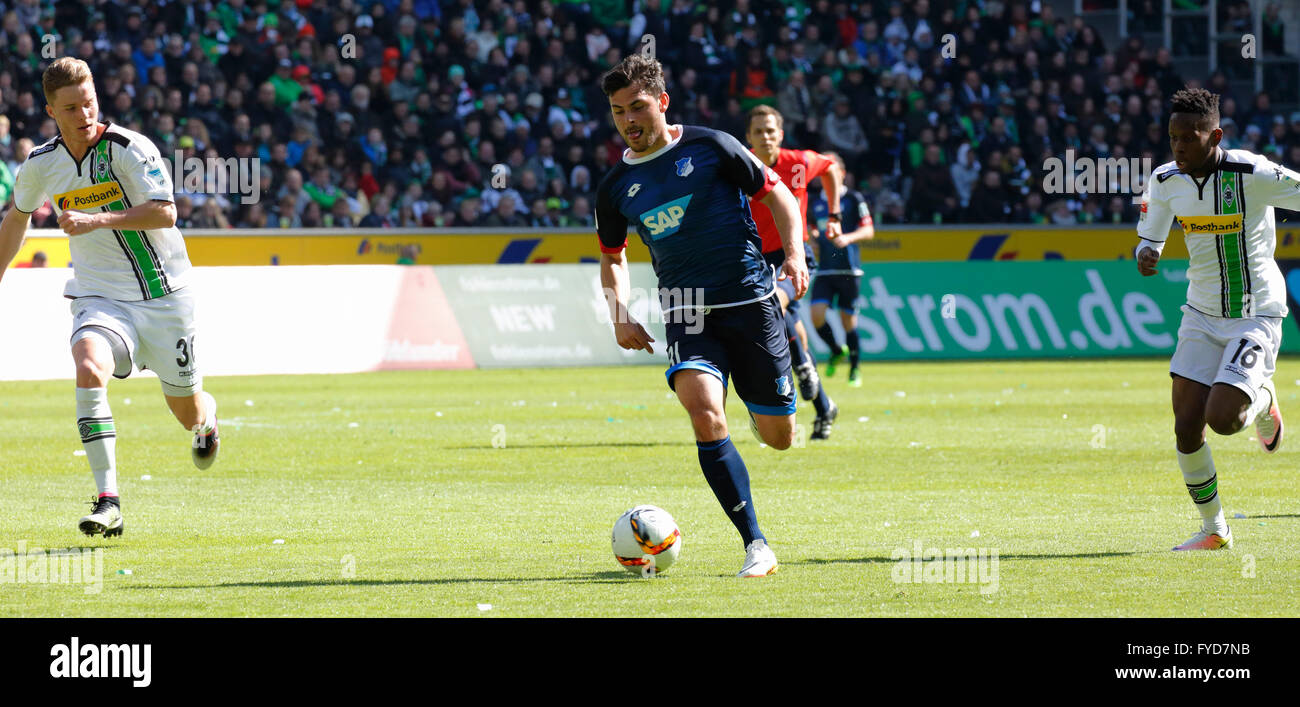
{"points": [[1227, 221], [122, 170]]}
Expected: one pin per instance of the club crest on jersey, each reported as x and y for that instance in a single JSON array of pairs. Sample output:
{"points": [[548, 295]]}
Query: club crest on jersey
{"points": [[101, 170], [783, 385], [665, 220], [635, 188], [684, 167], [1228, 195]]}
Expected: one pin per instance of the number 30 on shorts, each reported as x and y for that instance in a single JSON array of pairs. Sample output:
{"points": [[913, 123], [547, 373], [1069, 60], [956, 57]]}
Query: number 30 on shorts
{"points": [[186, 350]]}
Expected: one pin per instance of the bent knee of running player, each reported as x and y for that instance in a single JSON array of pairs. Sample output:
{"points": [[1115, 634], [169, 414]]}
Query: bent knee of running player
{"points": [[702, 394]]}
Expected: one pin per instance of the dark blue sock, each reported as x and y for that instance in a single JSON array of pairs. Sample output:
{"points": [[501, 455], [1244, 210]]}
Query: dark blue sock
{"points": [[827, 334], [855, 348], [821, 403], [727, 476], [797, 354]]}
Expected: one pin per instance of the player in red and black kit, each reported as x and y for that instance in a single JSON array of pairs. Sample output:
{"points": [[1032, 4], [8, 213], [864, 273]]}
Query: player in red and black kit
{"points": [[796, 168]]}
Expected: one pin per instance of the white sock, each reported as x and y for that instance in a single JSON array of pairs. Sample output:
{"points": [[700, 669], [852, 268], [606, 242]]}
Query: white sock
{"points": [[99, 437], [1203, 485]]}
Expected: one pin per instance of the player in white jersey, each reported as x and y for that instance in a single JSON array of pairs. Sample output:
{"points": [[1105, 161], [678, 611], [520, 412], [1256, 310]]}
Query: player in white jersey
{"points": [[1228, 342], [113, 197]]}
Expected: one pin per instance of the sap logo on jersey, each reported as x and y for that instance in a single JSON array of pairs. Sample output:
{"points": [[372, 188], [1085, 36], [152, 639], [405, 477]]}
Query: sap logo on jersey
{"points": [[98, 195], [664, 220]]}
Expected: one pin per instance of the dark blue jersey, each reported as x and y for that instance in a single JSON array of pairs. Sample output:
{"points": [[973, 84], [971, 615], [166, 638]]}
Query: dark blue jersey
{"points": [[853, 215], [689, 202]]}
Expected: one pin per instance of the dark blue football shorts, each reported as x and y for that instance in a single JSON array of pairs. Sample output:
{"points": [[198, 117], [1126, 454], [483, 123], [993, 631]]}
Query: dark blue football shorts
{"points": [[746, 343], [839, 291]]}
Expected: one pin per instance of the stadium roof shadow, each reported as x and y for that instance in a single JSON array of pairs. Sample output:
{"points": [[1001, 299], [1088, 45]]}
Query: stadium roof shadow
{"points": [[596, 577], [884, 559], [563, 445]]}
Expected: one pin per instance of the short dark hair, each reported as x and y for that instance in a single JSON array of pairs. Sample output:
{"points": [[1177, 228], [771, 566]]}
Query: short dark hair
{"points": [[638, 70], [1196, 101], [759, 111]]}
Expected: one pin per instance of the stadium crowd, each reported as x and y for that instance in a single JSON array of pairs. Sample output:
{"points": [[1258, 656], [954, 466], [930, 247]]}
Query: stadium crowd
{"points": [[487, 113]]}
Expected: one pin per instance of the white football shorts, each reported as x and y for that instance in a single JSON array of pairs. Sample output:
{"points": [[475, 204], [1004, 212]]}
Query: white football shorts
{"points": [[1240, 352], [155, 334]]}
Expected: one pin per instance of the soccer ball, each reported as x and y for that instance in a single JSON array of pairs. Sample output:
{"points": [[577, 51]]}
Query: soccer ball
{"points": [[646, 540]]}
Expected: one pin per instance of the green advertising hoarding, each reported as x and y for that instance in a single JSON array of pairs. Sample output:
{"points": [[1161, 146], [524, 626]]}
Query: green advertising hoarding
{"points": [[521, 316], [1015, 309]]}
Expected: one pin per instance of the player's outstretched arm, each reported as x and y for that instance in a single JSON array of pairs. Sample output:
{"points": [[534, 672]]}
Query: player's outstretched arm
{"points": [[785, 212], [865, 231], [148, 216], [13, 231], [832, 179], [615, 282], [1154, 220]]}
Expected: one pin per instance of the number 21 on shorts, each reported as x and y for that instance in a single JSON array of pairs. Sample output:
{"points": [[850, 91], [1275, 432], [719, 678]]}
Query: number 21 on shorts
{"points": [[674, 354]]}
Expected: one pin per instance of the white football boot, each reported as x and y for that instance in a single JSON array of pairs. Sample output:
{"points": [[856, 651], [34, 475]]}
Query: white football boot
{"points": [[760, 561], [1207, 541], [105, 518], [1268, 424]]}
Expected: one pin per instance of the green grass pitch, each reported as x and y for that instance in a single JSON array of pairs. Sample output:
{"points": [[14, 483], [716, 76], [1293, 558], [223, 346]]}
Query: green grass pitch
{"points": [[439, 493]]}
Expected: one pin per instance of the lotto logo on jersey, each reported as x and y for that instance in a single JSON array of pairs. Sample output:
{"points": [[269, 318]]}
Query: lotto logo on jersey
{"points": [[1222, 223], [90, 197], [664, 220]]}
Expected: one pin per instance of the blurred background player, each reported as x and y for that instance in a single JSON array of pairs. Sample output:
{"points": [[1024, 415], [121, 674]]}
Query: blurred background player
{"points": [[684, 188], [795, 167], [130, 304], [1222, 368], [839, 272]]}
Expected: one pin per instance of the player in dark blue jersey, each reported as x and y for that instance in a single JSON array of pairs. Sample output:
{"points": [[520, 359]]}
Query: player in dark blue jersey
{"points": [[839, 273], [686, 189]]}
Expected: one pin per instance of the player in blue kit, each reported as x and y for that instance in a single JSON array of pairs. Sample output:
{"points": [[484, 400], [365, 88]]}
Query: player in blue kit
{"points": [[686, 190], [839, 274]]}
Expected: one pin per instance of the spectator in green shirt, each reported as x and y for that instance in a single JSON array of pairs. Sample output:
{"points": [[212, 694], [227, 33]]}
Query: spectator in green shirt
{"points": [[286, 88], [321, 190], [6, 183]]}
